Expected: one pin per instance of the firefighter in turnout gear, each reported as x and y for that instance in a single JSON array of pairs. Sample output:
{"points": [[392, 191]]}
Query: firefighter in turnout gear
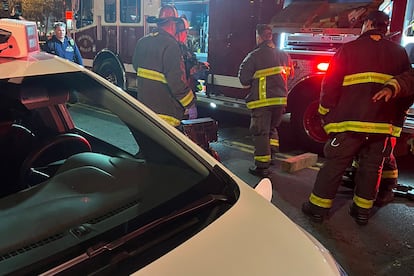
{"points": [[162, 84], [357, 125], [265, 71], [399, 89]]}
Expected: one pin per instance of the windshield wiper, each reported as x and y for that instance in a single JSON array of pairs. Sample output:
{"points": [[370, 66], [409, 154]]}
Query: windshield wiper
{"points": [[103, 247]]}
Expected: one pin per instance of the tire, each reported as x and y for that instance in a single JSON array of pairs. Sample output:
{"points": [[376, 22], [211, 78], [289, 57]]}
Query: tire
{"points": [[110, 70], [298, 104]]}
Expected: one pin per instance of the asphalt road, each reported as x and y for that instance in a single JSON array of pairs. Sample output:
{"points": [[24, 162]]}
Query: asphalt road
{"points": [[383, 247]]}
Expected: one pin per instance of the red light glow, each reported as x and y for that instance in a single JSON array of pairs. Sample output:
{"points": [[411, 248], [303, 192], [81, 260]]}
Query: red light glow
{"points": [[323, 66]]}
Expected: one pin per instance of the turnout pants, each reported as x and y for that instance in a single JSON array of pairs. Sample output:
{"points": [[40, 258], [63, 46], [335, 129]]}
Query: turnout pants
{"points": [[263, 127], [340, 151]]}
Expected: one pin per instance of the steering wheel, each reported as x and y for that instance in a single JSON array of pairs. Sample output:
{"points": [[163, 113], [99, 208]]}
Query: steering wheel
{"points": [[58, 148]]}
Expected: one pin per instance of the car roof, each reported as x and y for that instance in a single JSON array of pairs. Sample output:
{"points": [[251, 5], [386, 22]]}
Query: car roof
{"points": [[35, 64]]}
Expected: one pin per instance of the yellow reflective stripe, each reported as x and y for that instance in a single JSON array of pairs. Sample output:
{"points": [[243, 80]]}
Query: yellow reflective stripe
{"points": [[394, 83], [355, 164], [381, 128], [269, 72], [365, 78], [151, 74], [262, 158], [321, 202], [187, 99], [170, 120], [391, 174], [267, 102], [274, 142], [262, 88], [363, 203], [322, 110]]}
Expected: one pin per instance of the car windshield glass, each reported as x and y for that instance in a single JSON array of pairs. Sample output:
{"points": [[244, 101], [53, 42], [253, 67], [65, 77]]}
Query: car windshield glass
{"points": [[83, 164]]}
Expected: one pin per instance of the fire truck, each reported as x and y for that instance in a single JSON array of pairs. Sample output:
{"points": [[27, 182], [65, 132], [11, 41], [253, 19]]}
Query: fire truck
{"points": [[310, 31]]}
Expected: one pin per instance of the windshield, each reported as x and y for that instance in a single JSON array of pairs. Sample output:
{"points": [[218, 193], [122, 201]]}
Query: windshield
{"points": [[84, 166]]}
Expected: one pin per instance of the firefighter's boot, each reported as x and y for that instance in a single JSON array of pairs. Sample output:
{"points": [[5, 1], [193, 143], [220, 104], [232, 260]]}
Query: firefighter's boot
{"points": [[316, 213], [384, 197], [261, 172], [361, 215]]}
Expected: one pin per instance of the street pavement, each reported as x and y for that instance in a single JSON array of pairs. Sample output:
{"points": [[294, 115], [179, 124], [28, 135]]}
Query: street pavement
{"points": [[383, 247]]}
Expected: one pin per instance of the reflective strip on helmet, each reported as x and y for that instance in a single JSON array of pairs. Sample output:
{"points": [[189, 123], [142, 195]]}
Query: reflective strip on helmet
{"points": [[262, 158], [391, 174], [321, 202], [151, 75], [366, 78], [170, 120], [365, 127], [267, 102], [274, 142], [187, 99], [322, 110], [363, 203]]}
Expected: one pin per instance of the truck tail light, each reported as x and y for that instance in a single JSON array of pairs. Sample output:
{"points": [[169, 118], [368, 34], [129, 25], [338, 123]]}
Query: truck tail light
{"points": [[323, 66]]}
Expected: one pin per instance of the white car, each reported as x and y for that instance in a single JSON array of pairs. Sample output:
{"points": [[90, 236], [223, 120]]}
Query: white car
{"points": [[93, 182]]}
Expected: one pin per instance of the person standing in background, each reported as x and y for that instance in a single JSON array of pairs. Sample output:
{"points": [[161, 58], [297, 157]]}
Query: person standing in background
{"points": [[190, 61], [63, 46], [265, 71]]}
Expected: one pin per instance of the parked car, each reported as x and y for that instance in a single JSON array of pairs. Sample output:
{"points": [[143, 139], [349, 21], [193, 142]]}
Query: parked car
{"points": [[98, 184]]}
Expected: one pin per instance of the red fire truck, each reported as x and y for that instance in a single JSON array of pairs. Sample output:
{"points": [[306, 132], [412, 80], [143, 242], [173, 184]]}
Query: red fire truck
{"points": [[311, 31]]}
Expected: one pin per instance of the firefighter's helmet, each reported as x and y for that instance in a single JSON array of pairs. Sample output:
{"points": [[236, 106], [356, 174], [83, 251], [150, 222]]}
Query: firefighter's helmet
{"points": [[182, 25], [167, 13], [313, 124]]}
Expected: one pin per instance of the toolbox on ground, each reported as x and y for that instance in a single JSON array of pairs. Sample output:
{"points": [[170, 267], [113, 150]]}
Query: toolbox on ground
{"points": [[202, 131]]}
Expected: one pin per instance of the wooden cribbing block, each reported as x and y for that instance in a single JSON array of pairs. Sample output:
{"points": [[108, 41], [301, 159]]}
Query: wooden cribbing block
{"points": [[299, 162]]}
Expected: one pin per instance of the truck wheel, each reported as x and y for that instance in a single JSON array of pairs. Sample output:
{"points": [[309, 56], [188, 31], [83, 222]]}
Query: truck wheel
{"points": [[111, 71], [305, 142], [298, 104]]}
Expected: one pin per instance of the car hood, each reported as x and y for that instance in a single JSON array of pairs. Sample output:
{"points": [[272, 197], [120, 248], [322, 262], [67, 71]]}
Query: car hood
{"points": [[252, 238]]}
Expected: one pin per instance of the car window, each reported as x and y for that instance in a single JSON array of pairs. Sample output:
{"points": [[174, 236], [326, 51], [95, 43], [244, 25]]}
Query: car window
{"points": [[103, 120]]}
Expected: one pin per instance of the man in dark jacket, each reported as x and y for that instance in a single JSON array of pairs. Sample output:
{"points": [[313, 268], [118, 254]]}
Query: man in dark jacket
{"points": [[265, 71], [162, 84], [357, 125], [63, 46]]}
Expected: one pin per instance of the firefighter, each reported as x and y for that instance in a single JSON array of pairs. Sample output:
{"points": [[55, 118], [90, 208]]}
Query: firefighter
{"points": [[161, 78], [265, 71], [401, 90], [190, 61], [357, 125]]}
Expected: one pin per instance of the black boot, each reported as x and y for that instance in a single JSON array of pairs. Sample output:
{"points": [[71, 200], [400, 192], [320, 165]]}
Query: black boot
{"points": [[316, 213], [361, 215], [383, 198], [262, 172]]}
